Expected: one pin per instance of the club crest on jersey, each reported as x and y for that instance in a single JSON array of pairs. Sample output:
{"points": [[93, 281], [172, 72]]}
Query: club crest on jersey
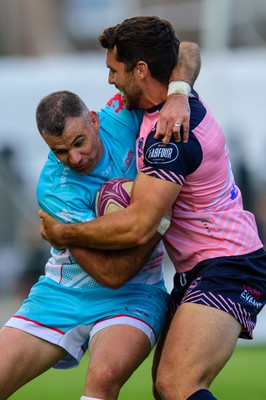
{"points": [[159, 153], [116, 103]]}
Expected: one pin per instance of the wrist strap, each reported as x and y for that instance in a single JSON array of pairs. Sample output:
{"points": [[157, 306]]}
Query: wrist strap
{"points": [[179, 87], [163, 226]]}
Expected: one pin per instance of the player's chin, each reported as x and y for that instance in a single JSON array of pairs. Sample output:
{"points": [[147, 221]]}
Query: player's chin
{"points": [[130, 102], [84, 171], [129, 105]]}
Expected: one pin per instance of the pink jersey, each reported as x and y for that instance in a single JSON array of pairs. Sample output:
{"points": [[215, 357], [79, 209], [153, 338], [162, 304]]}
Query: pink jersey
{"points": [[208, 216]]}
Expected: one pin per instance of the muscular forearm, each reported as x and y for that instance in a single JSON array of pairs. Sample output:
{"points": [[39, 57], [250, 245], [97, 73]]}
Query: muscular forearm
{"points": [[113, 234], [114, 268], [120, 230], [134, 226]]}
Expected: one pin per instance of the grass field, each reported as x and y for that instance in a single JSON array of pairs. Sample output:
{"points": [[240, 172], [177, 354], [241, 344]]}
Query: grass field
{"points": [[244, 377]]}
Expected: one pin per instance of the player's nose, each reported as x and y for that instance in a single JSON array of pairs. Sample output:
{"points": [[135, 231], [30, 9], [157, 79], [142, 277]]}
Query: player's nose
{"points": [[111, 80], [74, 157]]}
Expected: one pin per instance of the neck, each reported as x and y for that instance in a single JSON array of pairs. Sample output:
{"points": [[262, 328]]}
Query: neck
{"points": [[153, 94]]}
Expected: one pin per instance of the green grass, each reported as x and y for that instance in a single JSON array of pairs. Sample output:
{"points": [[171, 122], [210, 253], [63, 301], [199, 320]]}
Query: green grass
{"points": [[244, 377]]}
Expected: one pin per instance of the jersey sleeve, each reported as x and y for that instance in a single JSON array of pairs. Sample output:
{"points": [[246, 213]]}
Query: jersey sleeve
{"points": [[175, 161], [172, 162], [62, 193]]}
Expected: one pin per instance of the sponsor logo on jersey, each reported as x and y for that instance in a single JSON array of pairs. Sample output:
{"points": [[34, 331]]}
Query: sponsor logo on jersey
{"points": [[128, 160], [234, 192], [63, 179], [129, 157], [158, 153], [107, 171]]}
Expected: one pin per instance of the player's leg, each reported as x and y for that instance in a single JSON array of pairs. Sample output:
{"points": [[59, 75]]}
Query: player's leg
{"points": [[23, 357], [130, 321], [157, 355], [200, 341], [115, 353]]}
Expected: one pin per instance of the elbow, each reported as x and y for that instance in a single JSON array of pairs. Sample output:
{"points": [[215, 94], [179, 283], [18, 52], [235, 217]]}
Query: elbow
{"points": [[135, 230], [144, 237], [140, 235], [144, 240], [189, 46]]}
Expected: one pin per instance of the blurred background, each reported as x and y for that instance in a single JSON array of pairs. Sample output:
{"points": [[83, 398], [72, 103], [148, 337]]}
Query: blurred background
{"points": [[52, 45]]}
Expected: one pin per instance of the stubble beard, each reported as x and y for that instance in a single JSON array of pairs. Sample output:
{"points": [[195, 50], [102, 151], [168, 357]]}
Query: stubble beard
{"points": [[132, 102]]}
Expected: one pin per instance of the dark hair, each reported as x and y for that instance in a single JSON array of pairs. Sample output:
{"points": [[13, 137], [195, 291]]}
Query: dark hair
{"points": [[149, 39], [54, 110]]}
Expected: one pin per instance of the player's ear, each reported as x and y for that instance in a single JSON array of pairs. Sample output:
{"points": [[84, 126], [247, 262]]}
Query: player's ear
{"points": [[142, 69], [94, 119]]}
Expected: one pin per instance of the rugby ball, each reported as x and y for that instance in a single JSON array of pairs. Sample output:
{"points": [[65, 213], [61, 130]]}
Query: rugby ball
{"points": [[113, 195]]}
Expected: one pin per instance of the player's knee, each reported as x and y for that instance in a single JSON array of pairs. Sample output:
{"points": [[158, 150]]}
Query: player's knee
{"points": [[155, 392], [104, 377], [173, 385], [169, 388], [164, 386], [179, 385]]}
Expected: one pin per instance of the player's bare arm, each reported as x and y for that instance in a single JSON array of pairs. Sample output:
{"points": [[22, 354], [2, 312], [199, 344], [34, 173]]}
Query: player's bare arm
{"points": [[134, 226], [176, 111], [113, 268]]}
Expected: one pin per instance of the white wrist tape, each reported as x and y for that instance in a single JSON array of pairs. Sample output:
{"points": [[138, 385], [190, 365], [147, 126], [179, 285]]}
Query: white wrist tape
{"points": [[163, 226], [179, 87]]}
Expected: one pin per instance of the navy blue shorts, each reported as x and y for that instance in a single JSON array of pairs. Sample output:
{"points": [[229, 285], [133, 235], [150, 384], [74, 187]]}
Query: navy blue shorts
{"points": [[235, 284]]}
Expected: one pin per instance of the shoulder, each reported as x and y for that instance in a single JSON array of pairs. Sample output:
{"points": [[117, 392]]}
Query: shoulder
{"points": [[48, 171], [57, 177], [198, 110], [115, 112], [63, 193]]}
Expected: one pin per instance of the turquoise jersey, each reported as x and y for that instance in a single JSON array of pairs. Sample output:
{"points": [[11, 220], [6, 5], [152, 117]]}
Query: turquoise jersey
{"points": [[70, 197]]}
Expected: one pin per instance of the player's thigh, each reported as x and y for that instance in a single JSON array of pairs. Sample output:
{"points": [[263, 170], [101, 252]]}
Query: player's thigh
{"points": [[119, 348], [23, 357], [200, 341]]}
